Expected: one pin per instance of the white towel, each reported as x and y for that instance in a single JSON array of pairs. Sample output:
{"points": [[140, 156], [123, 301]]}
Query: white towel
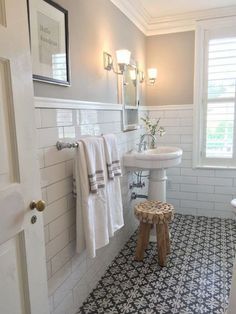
{"points": [[79, 173], [114, 198], [91, 209], [112, 156], [93, 147]]}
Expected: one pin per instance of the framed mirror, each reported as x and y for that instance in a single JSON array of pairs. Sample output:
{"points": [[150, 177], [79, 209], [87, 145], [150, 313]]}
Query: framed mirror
{"points": [[130, 97], [130, 86]]}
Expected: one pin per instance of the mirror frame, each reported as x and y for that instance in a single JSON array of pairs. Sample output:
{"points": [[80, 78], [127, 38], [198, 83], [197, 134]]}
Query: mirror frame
{"points": [[124, 89], [130, 109]]}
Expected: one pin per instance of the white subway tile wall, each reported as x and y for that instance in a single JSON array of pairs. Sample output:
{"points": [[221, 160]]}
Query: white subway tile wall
{"points": [[71, 277], [205, 192]]}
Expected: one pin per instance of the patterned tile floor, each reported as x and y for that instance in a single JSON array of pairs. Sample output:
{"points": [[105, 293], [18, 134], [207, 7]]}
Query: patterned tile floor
{"points": [[196, 280]]}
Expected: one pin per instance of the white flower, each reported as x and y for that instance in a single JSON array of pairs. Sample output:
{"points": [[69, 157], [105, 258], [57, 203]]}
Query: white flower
{"points": [[152, 126]]}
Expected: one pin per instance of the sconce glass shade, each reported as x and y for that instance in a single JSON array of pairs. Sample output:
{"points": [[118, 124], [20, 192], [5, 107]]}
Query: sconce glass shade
{"points": [[123, 56], [152, 73]]}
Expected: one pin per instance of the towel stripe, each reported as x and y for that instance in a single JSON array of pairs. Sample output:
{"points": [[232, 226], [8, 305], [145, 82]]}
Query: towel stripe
{"points": [[96, 181], [114, 169]]}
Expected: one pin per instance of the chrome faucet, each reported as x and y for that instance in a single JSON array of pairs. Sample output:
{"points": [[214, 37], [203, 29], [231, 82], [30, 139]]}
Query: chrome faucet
{"points": [[143, 144]]}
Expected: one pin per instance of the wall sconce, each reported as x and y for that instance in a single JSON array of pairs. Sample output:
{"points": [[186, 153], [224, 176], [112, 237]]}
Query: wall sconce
{"points": [[133, 75], [141, 76], [122, 57], [152, 76]]}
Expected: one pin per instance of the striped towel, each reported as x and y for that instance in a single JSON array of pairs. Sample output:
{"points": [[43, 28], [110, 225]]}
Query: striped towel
{"points": [[74, 190], [94, 152], [92, 229], [112, 156], [114, 169]]}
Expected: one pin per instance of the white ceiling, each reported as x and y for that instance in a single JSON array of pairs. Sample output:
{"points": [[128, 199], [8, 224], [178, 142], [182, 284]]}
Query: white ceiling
{"points": [[162, 8], [154, 17]]}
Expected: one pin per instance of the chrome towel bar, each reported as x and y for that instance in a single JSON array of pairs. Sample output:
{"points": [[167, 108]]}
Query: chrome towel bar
{"points": [[62, 145]]}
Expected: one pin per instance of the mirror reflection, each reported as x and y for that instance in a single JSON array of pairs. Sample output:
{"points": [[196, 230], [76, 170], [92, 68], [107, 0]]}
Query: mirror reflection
{"points": [[130, 86]]}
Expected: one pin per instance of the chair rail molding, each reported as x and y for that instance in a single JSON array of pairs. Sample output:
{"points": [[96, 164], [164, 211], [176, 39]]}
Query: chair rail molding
{"points": [[167, 107], [56, 103]]}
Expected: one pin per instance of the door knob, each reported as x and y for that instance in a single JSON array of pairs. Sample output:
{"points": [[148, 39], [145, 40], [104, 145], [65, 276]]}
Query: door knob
{"points": [[39, 205]]}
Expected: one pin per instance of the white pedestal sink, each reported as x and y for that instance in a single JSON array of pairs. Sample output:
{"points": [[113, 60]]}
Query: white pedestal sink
{"points": [[156, 161]]}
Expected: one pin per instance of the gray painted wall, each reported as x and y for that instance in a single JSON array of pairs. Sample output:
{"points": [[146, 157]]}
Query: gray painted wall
{"points": [[173, 56], [95, 26]]}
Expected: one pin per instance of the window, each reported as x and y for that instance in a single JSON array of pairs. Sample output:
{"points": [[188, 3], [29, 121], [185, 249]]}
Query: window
{"points": [[215, 93]]}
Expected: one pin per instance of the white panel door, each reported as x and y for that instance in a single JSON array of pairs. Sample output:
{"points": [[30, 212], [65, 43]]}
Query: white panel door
{"points": [[23, 285], [232, 299]]}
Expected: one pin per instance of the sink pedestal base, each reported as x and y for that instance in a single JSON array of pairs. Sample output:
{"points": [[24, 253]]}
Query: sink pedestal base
{"points": [[157, 192], [157, 185]]}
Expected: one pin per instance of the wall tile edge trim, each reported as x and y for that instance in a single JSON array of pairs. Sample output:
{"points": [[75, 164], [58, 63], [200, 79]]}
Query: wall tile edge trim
{"points": [[55, 103]]}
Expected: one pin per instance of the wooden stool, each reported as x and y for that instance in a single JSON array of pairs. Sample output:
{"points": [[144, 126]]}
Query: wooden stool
{"points": [[154, 213]]}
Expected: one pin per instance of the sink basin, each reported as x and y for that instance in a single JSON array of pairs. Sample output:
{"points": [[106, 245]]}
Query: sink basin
{"points": [[161, 157]]}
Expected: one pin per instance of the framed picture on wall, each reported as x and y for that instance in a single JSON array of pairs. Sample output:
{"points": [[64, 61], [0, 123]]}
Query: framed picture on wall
{"points": [[49, 39]]}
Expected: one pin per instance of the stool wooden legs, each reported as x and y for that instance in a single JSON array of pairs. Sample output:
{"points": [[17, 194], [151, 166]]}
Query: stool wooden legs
{"points": [[143, 239], [161, 244], [163, 241], [167, 235]]}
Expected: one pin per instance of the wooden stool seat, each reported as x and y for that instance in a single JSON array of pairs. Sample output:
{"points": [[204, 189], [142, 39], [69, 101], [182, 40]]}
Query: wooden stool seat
{"points": [[154, 213]]}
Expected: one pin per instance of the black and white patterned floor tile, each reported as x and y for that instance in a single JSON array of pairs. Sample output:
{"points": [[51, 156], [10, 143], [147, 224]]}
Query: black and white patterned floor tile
{"points": [[196, 280]]}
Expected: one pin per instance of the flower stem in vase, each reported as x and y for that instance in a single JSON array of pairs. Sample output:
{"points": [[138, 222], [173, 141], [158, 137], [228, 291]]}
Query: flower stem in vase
{"points": [[153, 143]]}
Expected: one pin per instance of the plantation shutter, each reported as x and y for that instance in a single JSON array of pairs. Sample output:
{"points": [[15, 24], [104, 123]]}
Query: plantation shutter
{"points": [[219, 97]]}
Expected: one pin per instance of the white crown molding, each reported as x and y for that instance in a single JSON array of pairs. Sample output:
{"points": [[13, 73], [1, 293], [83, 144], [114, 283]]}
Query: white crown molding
{"points": [[166, 107], [185, 22], [137, 15], [151, 26], [55, 103]]}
